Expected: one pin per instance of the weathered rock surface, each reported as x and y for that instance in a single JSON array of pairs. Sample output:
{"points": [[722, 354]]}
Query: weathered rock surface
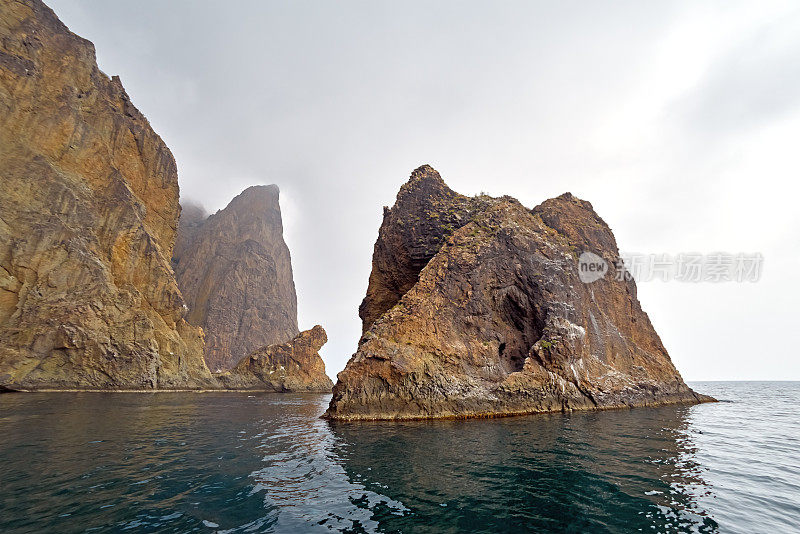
{"points": [[235, 272], [292, 366], [88, 214], [475, 308]]}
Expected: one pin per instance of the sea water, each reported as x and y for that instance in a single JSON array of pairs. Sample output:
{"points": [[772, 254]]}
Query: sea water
{"points": [[237, 462]]}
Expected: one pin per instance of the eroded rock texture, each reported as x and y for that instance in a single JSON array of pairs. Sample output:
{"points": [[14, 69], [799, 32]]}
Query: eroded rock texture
{"points": [[88, 214], [292, 366], [475, 308], [235, 272]]}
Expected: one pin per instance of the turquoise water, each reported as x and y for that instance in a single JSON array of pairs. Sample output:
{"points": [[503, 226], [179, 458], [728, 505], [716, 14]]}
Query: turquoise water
{"points": [[183, 462]]}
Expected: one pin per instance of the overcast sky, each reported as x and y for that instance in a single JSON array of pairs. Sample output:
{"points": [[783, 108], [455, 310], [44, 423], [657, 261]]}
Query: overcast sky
{"points": [[679, 121]]}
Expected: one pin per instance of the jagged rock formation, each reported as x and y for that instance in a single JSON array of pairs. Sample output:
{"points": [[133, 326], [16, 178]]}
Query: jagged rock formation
{"points": [[88, 214], [235, 272], [475, 307], [292, 366]]}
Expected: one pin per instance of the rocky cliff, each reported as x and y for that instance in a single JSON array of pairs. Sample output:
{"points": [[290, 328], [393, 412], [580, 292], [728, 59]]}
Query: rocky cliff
{"points": [[292, 366], [235, 272], [88, 214], [475, 307]]}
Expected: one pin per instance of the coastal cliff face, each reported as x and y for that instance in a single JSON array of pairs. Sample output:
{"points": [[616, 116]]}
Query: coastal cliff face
{"points": [[235, 272], [292, 366], [475, 307], [88, 215]]}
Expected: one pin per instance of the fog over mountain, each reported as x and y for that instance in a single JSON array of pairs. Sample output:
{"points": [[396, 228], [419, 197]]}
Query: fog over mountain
{"points": [[678, 122]]}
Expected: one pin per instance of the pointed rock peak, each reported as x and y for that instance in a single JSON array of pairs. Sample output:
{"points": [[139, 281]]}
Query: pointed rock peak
{"points": [[576, 219], [424, 183], [256, 198], [318, 332], [316, 337], [569, 198], [425, 176], [567, 202], [259, 190], [425, 172]]}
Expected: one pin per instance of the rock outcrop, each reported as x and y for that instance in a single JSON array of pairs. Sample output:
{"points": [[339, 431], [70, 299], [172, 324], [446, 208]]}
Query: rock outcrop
{"points": [[476, 307], [88, 215], [292, 366], [235, 272]]}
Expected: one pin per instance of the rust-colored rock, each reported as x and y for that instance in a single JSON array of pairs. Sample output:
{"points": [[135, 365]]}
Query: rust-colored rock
{"points": [[235, 272], [475, 307], [292, 366], [88, 214]]}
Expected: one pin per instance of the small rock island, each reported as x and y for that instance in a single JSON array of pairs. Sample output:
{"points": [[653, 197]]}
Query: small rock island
{"points": [[292, 366], [475, 308]]}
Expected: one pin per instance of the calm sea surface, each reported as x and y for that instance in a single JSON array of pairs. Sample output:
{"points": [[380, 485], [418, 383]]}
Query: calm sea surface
{"points": [[227, 462]]}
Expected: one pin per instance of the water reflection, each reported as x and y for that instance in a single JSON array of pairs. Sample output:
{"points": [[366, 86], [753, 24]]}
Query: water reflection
{"points": [[609, 471], [302, 476]]}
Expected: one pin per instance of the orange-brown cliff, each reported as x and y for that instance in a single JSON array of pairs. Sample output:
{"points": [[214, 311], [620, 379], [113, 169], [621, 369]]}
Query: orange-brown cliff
{"points": [[88, 214], [475, 307]]}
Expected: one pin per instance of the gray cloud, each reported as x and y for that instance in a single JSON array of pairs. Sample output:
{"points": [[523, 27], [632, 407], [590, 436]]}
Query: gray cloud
{"points": [[755, 82]]}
